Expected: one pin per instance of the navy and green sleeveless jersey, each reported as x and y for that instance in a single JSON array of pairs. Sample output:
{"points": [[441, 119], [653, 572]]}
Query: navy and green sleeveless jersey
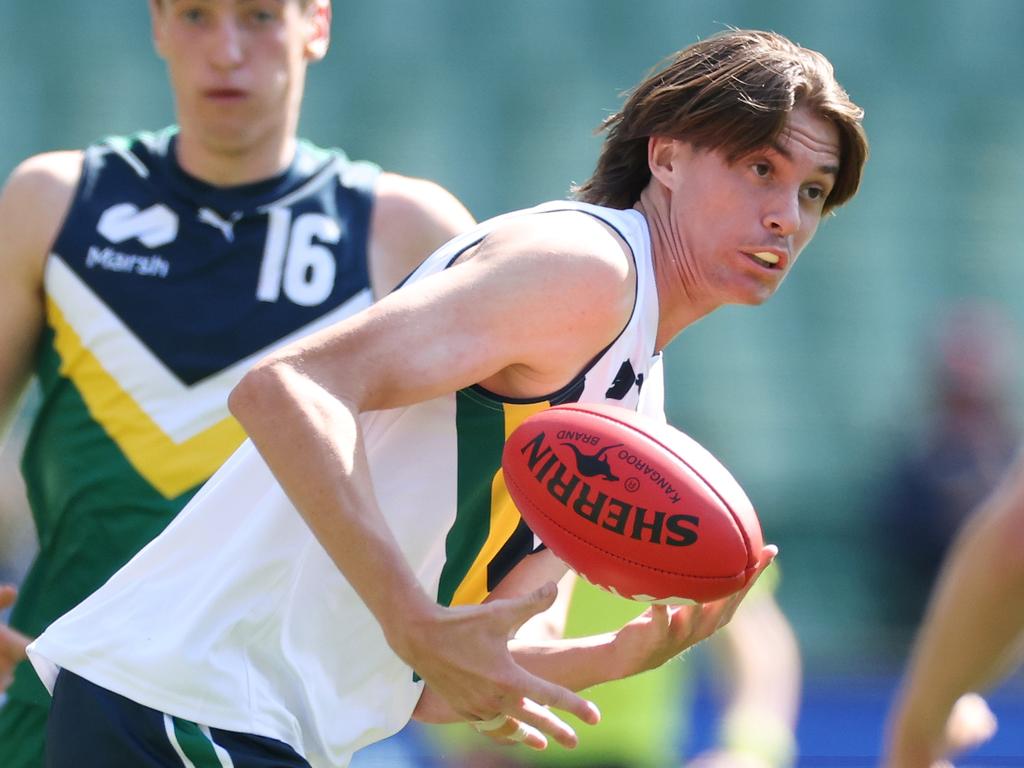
{"points": [[160, 292]]}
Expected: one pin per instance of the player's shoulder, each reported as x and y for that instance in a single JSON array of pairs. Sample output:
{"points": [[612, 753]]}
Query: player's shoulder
{"points": [[411, 219], [46, 175], [36, 198], [418, 205], [561, 265], [566, 243]]}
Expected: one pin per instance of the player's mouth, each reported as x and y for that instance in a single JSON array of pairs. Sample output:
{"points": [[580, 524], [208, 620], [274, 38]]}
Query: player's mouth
{"points": [[767, 258], [225, 94]]}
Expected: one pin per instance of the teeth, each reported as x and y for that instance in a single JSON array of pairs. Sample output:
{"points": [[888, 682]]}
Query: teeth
{"points": [[766, 256]]}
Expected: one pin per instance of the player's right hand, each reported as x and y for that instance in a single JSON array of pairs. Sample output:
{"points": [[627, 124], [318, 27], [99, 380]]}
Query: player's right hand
{"points": [[916, 743], [663, 632], [970, 724], [462, 654], [12, 642]]}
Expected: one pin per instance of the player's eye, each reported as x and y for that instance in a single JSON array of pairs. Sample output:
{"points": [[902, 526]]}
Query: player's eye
{"points": [[260, 14], [261, 17], [193, 15], [815, 193], [761, 169]]}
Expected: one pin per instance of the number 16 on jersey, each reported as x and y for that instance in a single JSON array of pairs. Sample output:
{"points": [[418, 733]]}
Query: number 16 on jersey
{"points": [[295, 260]]}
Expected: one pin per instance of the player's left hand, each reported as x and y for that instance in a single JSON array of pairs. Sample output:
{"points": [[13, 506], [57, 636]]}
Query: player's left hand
{"points": [[12, 642], [462, 654], [507, 731], [663, 632]]}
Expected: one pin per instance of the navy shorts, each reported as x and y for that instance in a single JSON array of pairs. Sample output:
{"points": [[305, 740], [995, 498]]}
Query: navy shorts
{"points": [[91, 727]]}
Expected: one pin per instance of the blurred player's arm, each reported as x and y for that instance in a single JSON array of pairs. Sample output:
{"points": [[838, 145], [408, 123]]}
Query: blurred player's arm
{"points": [[970, 636], [411, 219], [758, 658], [33, 204]]}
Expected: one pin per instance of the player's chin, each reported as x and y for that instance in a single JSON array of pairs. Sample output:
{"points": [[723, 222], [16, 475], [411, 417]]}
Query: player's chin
{"points": [[755, 294]]}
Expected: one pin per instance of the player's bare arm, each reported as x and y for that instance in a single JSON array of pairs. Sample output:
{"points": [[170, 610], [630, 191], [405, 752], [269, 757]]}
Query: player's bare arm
{"points": [[301, 409], [411, 218], [32, 206], [970, 638]]}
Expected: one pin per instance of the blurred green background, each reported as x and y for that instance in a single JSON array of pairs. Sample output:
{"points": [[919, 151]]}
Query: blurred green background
{"points": [[808, 399]]}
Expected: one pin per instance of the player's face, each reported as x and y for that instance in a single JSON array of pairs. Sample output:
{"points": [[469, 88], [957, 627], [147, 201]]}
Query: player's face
{"points": [[237, 67], [739, 227]]}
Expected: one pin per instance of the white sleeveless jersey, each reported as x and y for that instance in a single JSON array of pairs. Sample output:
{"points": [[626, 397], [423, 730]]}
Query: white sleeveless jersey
{"points": [[236, 618]]}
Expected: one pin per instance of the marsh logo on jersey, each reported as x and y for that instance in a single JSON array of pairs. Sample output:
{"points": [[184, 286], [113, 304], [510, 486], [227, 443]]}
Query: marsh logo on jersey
{"points": [[153, 227], [114, 261]]}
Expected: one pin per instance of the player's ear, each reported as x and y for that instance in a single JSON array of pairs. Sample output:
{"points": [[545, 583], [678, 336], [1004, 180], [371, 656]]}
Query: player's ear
{"points": [[156, 18], [318, 35], [662, 157]]}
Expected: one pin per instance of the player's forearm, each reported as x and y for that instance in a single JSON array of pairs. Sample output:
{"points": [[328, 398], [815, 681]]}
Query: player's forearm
{"points": [[312, 443], [581, 662]]}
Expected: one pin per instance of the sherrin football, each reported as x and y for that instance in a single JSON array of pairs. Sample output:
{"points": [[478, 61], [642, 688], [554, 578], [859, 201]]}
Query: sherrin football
{"points": [[632, 504]]}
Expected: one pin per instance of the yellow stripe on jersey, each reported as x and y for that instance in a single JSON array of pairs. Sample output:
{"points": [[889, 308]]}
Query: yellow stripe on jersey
{"points": [[170, 467], [504, 517]]}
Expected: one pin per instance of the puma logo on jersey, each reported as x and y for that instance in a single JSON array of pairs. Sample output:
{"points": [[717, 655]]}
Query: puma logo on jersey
{"points": [[153, 227], [214, 219]]}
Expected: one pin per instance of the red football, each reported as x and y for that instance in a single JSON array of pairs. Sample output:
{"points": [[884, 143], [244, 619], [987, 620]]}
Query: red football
{"points": [[632, 504]]}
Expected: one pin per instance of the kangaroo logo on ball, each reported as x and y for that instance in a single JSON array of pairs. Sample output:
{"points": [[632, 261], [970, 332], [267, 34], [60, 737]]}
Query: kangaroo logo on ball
{"points": [[596, 465]]}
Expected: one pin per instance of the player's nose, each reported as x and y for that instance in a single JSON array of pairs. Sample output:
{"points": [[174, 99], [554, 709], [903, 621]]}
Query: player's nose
{"points": [[227, 49], [782, 214]]}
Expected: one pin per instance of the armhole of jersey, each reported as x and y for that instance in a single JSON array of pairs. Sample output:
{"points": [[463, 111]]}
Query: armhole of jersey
{"points": [[565, 394], [451, 261]]}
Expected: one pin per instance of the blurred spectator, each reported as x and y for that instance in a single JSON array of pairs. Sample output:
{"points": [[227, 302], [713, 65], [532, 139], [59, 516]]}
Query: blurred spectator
{"points": [[968, 442]]}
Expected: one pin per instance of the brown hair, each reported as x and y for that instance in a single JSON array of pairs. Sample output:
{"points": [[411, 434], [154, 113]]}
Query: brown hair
{"points": [[732, 92], [303, 3]]}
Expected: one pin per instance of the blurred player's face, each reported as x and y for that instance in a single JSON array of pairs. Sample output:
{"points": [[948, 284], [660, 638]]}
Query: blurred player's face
{"points": [[737, 228], [237, 67]]}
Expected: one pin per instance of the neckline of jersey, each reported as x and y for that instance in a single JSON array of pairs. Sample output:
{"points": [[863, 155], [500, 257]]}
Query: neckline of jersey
{"points": [[240, 198]]}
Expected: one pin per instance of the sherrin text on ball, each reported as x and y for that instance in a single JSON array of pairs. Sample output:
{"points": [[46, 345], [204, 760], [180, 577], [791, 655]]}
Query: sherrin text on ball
{"points": [[632, 504]]}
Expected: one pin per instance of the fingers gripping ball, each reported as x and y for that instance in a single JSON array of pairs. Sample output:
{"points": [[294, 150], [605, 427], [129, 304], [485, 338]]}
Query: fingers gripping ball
{"points": [[632, 504]]}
